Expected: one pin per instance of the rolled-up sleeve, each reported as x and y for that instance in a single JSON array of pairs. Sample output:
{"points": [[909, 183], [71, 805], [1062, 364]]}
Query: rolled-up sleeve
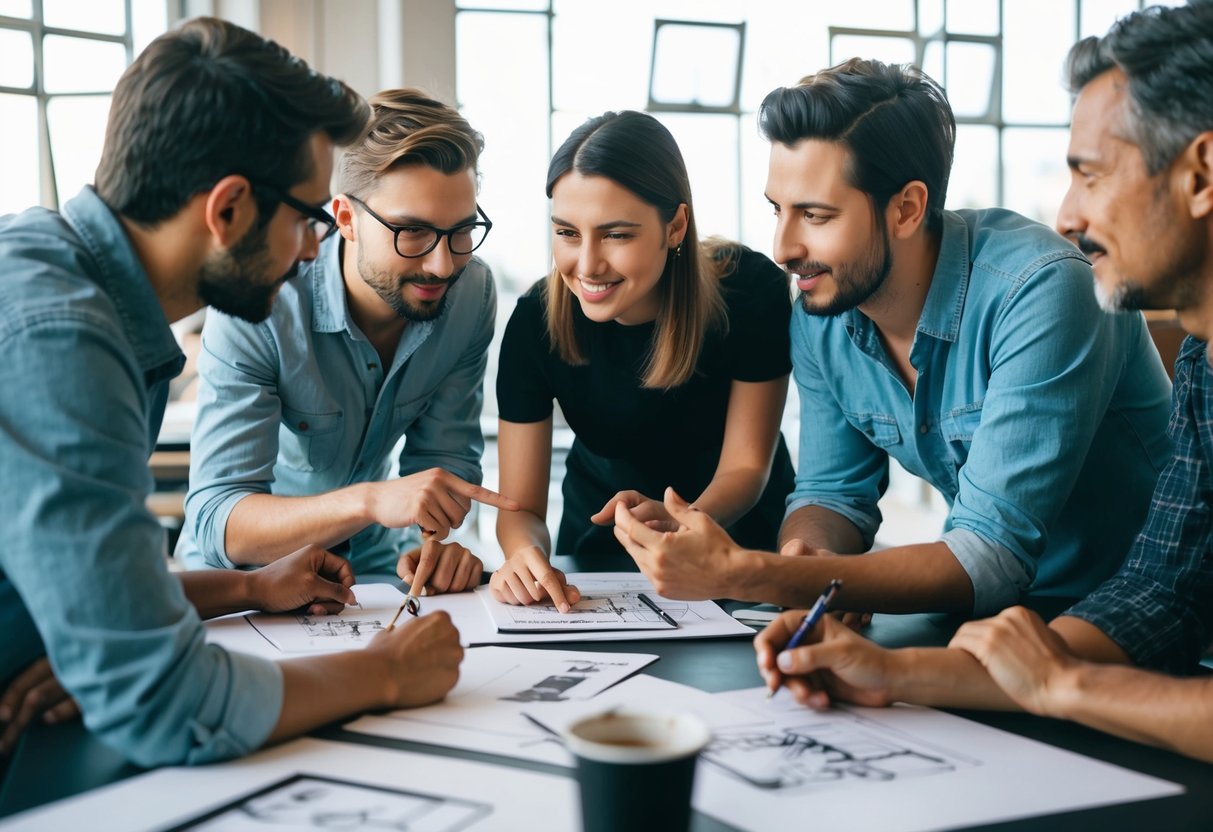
{"points": [[235, 439], [87, 559], [840, 469]]}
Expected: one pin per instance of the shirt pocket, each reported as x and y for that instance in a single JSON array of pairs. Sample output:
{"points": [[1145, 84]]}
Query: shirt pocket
{"points": [[958, 427], [310, 441], [881, 430]]}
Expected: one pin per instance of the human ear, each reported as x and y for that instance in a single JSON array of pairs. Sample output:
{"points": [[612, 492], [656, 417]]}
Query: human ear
{"points": [[676, 230], [343, 212], [1199, 184], [907, 209], [230, 209]]}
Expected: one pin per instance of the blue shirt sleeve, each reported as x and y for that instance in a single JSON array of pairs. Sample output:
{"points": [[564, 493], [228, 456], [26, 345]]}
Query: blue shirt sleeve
{"points": [[87, 558]]}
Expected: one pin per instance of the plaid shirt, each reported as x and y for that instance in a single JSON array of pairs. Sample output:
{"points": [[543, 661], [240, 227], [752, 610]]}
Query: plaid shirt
{"points": [[1159, 606]]}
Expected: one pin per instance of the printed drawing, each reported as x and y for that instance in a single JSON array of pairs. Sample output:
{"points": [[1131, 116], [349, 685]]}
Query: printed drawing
{"points": [[350, 629], [618, 606], [306, 802], [555, 687], [840, 750]]}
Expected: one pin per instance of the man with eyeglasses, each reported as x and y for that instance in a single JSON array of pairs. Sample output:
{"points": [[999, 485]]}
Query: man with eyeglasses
{"points": [[385, 334]]}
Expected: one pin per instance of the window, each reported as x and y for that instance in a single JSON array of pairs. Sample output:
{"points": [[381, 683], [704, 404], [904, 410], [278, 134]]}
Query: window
{"points": [[59, 63]]}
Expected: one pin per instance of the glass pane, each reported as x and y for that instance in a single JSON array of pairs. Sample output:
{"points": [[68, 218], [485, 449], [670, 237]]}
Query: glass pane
{"points": [[970, 78], [889, 50], [149, 20], [1036, 176], [77, 126], [930, 16], [974, 180], [785, 42], [896, 15], [16, 8], [757, 219], [974, 17], [709, 147], [18, 153], [513, 5], [696, 65], [16, 59], [1099, 15], [515, 127], [932, 61], [601, 62], [1037, 34], [79, 65], [105, 16]]}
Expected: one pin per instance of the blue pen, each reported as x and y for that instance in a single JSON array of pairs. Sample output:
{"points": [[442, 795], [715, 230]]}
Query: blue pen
{"points": [[810, 620]]}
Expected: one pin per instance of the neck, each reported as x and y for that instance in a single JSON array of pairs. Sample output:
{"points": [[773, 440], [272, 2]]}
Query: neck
{"points": [[371, 313], [171, 254], [897, 307]]}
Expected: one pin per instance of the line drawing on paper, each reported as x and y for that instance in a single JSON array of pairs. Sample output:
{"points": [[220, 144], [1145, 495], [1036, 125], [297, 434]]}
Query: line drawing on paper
{"points": [[601, 609], [315, 802], [842, 750], [348, 629]]}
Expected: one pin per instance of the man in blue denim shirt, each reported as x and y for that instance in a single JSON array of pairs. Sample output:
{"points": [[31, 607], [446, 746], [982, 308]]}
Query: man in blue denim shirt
{"points": [[1140, 205], [384, 335], [204, 194], [967, 345]]}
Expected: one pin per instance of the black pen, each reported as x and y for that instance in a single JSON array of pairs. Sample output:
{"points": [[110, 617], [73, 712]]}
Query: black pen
{"points": [[648, 602]]}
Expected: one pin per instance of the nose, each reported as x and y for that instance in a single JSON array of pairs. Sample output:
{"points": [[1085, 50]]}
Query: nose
{"points": [[1069, 214], [589, 258], [440, 262], [310, 248], [787, 247]]}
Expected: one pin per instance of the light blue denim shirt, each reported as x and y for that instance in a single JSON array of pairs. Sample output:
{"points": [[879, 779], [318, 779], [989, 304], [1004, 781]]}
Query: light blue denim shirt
{"points": [[298, 405], [1039, 417], [87, 358]]}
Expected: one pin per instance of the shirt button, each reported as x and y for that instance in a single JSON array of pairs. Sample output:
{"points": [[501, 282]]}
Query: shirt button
{"points": [[303, 426], [924, 428], [372, 366]]}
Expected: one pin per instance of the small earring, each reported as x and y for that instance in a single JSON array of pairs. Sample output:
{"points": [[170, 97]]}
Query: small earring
{"points": [[678, 250]]}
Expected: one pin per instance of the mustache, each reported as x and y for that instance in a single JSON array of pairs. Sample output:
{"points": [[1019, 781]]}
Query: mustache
{"points": [[425, 280], [805, 266], [1086, 245]]}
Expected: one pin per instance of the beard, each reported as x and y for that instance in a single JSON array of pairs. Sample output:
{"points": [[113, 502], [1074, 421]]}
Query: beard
{"points": [[233, 281], [855, 282], [390, 287]]}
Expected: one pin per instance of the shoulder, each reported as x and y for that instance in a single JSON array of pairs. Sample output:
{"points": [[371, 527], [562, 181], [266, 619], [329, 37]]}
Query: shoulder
{"points": [[532, 304], [752, 280], [1008, 245]]}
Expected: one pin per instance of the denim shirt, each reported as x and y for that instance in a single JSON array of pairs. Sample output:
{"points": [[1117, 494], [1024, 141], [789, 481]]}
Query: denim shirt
{"points": [[1039, 417], [88, 356], [1159, 606], [298, 405]]}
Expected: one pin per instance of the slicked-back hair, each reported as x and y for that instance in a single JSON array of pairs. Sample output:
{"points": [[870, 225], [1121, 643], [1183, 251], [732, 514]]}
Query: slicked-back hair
{"points": [[637, 152], [894, 121], [1167, 56], [408, 127], [208, 100]]}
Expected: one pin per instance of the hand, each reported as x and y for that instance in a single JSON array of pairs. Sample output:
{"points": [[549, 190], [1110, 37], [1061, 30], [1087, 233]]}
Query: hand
{"points": [[832, 663], [527, 577], [694, 562], [1022, 655], [650, 512], [33, 691], [310, 577], [423, 655], [439, 567], [796, 548], [436, 500]]}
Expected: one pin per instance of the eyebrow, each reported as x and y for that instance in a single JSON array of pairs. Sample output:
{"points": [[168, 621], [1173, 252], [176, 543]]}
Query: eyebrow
{"points": [[606, 226], [807, 205], [398, 219]]}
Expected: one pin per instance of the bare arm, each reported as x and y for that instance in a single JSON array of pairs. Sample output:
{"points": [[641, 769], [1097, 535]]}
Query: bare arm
{"points": [[819, 528]]}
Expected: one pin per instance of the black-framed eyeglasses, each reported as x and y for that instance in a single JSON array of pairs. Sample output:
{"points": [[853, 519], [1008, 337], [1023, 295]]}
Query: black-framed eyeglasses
{"points": [[320, 222], [417, 239]]}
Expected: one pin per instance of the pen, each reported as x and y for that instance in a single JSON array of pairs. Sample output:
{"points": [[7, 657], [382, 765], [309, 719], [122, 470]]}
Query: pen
{"points": [[410, 604], [810, 621], [648, 602]]}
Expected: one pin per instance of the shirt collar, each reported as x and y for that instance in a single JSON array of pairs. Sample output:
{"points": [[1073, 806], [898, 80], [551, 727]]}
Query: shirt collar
{"points": [[122, 277], [330, 312], [945, 302]]}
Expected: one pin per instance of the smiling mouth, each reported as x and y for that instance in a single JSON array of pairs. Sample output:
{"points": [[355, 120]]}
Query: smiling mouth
{"points": [[591, 288]]}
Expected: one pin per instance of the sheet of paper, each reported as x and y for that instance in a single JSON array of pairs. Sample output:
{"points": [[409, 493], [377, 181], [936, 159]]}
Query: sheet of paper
{"points": [[898, 769], [312, 784], [484, 710], [615, 610]]}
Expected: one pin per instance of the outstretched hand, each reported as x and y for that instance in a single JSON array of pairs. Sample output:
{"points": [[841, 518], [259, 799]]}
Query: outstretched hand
{"points": [[311, 578], [651, 512]]}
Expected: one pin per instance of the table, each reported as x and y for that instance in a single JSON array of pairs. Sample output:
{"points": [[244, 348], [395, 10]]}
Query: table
{"points": [[53, 762]]}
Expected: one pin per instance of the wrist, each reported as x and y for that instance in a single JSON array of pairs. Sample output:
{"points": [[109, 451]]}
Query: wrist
{"points": [[249, 589], [522, 551], [1065, 689], [747, 575], [362, 503]]}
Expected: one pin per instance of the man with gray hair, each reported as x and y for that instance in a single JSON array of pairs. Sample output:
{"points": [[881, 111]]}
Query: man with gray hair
{"points": [[1140, 206]]}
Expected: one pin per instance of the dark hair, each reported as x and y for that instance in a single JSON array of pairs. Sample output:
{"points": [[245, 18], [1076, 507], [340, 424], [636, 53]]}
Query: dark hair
{"points": [[637, 152], [894, 121], [1167, 56], [408, 127], [208, 100]]}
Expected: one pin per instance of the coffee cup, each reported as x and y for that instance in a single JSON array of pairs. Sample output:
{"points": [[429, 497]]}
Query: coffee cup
{"points": [[636, 768]]}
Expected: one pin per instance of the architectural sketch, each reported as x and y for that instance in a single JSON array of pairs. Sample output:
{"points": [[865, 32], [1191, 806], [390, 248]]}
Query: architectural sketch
{"points": [[605, 610], [835, 751], [349, 629], [312, 802]]}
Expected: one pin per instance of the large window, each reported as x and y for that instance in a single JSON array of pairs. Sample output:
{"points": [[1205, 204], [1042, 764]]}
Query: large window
{"points": [[59, 62]]}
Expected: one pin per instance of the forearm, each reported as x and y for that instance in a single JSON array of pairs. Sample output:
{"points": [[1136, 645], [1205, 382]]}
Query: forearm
{"points": [[264, 527], [215, 592], [942, 677], [318, 690], [921, 578], [1176, 714], [731, 494], [522, 529], [821, 528]]}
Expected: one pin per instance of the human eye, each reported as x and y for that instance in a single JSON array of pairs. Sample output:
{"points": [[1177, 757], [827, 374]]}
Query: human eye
{"points": [[618, 235], [567, 233], [813, 218], [413, 232]]}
